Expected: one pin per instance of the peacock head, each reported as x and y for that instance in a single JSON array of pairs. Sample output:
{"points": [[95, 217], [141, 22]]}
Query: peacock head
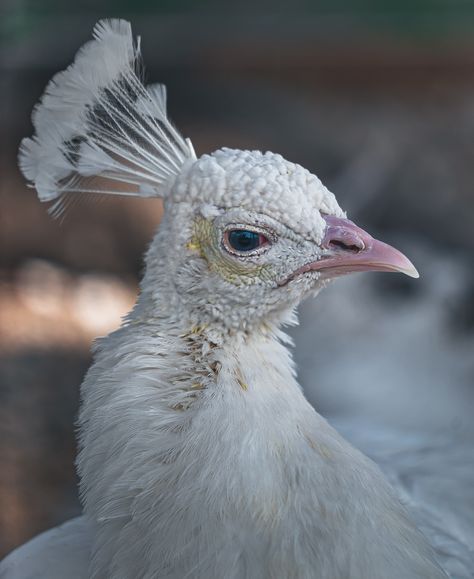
{"points": [[245, 236]]}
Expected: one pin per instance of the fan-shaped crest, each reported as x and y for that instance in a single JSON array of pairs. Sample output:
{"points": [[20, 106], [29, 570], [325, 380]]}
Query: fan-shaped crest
{"points": [[99, 129]]}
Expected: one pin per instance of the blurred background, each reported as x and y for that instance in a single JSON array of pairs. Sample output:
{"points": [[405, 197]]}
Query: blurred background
{"points": [[376, 98]]}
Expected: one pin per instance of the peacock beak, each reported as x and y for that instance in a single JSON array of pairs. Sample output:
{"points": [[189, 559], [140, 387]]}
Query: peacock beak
{"points": [[348, 248]]}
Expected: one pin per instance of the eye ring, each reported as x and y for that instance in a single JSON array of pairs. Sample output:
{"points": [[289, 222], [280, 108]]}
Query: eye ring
{"points": [[244, 240]]}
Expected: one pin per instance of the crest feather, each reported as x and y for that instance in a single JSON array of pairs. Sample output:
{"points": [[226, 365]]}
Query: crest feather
{"points": [[98, 129]]}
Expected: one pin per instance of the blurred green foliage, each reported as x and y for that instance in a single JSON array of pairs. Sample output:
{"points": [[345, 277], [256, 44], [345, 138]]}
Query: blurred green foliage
{"points": [[417, 19]]}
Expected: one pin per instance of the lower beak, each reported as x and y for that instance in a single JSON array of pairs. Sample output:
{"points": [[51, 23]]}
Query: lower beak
{"points": [[348, 248]]}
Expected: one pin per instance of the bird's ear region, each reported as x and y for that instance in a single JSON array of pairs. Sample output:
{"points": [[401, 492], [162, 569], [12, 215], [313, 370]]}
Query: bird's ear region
{"points": [[211, 242]]}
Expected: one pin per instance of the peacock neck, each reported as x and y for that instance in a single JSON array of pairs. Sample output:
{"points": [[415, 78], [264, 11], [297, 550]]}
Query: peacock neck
{"points": [[202, 458], [158, 377], [176, 419], [203, 358]]}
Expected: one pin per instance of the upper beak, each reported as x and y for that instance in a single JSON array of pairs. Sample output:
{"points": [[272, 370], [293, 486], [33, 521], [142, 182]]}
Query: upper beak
{"points": [[348, 248]]}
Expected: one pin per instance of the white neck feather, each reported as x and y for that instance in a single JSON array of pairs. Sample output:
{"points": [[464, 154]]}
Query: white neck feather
{"points": [[204, 459]]}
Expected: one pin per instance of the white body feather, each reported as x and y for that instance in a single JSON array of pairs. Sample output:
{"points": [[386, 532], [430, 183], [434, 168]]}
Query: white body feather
{"points": [[242, 480], [60, 553]]}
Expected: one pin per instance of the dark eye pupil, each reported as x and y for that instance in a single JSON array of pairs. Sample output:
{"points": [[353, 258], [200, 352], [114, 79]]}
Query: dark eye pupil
{"points": [[244, 240]]}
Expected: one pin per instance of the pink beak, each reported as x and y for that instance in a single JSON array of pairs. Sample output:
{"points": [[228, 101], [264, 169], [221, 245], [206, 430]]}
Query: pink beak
{"points": [[349, 249]]}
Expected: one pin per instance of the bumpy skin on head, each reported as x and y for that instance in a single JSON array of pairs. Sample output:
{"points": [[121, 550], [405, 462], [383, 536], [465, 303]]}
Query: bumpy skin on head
{"points": [[259, 181]]}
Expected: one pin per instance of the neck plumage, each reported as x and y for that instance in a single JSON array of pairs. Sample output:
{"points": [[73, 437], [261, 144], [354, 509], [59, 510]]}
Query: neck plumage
{"points": [[200, 457], [175, 417]]}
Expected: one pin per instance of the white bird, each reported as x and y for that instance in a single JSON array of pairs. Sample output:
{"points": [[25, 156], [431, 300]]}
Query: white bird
{"points": [[199, 456]]}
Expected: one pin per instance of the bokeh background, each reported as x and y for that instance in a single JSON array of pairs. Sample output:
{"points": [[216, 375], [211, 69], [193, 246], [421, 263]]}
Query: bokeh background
{"points": [[376, 98]]}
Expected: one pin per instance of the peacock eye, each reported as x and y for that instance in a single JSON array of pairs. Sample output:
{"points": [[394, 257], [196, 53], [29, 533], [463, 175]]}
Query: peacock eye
{"points": [[244, 240]]}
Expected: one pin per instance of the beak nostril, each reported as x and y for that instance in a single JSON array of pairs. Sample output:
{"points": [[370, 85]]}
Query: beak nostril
{"points": [[354, 247], [343, 236]]}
